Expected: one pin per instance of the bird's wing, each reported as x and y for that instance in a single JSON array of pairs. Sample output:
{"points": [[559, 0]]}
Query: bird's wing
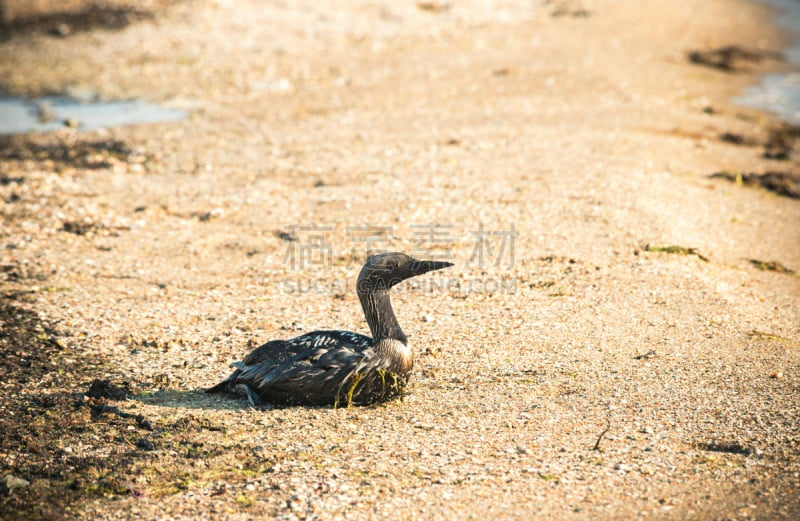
{"points": [[273, 352], [318, 356]]}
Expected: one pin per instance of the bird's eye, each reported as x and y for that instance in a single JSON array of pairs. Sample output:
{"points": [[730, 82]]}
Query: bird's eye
{"points": [[392, 265]]}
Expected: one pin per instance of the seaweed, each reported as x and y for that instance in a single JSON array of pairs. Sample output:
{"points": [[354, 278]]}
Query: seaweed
{"points": [[89, 154], [786, 184], [677, 250], [372, 387], [63, 24], [772, 266], [731, 57]]}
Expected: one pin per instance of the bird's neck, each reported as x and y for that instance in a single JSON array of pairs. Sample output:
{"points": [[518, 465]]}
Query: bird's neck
{"points": [[380, 316]]}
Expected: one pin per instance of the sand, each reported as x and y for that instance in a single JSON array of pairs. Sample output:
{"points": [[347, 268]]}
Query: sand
{"points": [[595, 373]]}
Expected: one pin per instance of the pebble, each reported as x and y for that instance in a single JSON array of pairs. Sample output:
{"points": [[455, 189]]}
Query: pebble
{"points": [[12, 482], [145, 444]]}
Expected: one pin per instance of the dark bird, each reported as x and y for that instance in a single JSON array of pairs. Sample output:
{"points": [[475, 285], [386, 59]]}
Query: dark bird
{"points": [[338, 367]]}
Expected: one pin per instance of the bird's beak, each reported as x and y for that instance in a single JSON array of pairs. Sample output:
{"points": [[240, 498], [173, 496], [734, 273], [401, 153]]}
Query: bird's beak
{"points": [[421, 267]]}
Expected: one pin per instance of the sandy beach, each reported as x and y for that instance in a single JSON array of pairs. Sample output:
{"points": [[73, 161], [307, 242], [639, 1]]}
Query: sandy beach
{"points": [[619, 337]]}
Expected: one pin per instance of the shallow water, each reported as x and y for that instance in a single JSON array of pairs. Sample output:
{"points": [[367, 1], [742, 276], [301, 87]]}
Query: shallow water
{"points": [[777, 93], [51, 113], [780, 93]]}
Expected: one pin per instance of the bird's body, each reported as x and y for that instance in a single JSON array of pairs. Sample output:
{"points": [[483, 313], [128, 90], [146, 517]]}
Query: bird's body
{"points": [[337, 367]]}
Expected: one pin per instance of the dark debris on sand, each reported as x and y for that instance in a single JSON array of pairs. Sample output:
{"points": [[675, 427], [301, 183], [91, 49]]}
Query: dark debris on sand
{"points": [[737, 139], [732, 57], [76, 153], [105, 389], [775, 266], [779, 145], [45, 429], [26, 349], [781, 142], [65, 24], [782, 183], [677, 250]]}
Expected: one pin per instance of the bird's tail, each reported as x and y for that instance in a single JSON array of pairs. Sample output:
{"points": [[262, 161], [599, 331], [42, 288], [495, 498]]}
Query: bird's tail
{"points": [[221, 387], [224, 386]]}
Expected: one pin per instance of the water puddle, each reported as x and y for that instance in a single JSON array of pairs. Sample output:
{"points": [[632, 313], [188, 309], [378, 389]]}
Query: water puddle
{"points": [[780, 93], [51, 113], [776, 93]]}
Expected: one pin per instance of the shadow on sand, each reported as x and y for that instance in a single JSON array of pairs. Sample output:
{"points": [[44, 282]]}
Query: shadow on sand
{"points": [[194, 399]]}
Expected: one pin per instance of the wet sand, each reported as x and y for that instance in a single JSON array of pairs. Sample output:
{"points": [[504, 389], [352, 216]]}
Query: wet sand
{"points": [[627, 361]]}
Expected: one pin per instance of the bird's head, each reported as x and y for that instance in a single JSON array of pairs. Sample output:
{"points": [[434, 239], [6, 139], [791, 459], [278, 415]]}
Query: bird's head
{"points": [[385, 270]]}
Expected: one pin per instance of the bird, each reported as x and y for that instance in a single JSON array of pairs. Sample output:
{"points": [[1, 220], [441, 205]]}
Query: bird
{"points": [[337, 367]]}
